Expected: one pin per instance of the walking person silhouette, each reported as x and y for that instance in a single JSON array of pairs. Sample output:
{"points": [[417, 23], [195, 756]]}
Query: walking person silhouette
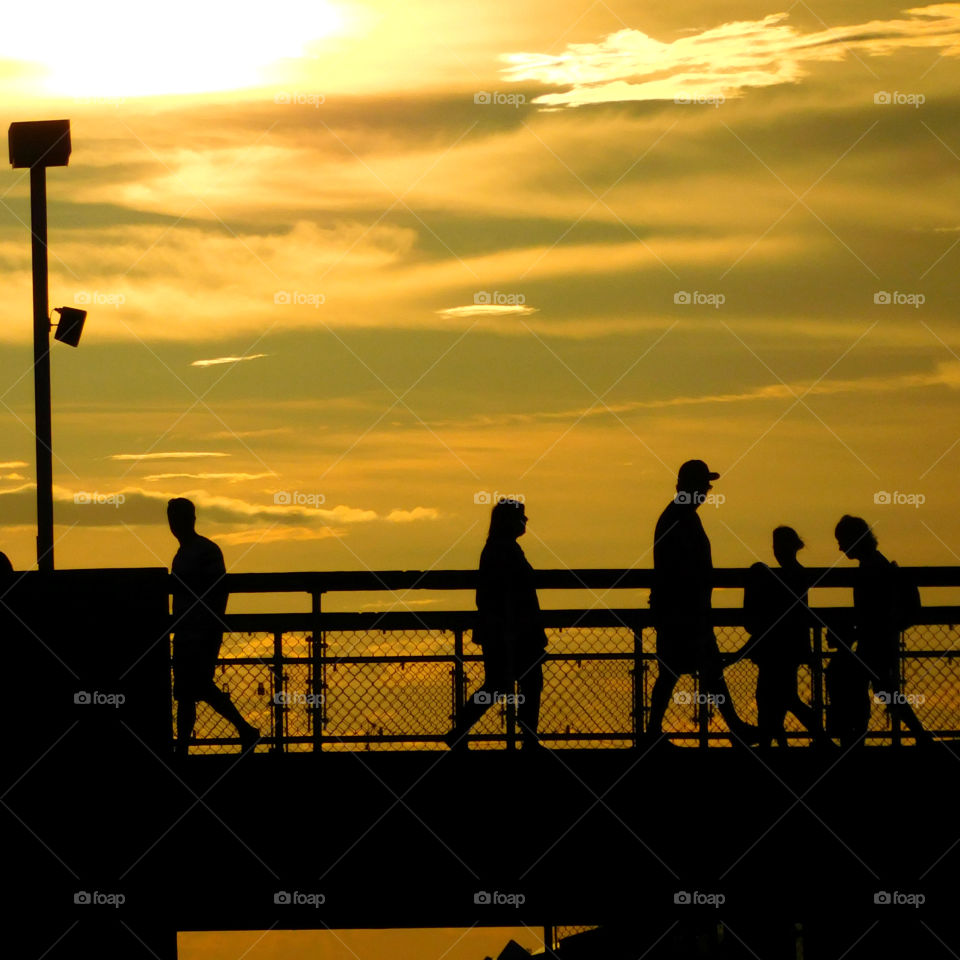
{"points": [[881, 603], [681, 607], [508, 629], [777, 615], [199, 604]]}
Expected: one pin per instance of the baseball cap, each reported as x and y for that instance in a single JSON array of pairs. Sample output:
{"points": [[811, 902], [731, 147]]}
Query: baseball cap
{"points": [[695, 471]]}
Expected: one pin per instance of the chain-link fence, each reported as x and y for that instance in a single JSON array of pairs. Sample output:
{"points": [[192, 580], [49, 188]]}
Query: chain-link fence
{"points": [[370, 689]]}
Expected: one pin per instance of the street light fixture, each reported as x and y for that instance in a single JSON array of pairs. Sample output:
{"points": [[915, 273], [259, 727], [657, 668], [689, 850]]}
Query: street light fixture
{"points": [[70, 326], [39, 144]]}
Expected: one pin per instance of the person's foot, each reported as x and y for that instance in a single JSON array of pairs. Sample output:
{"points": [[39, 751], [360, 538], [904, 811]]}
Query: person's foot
{"points": [[456, 741], [656, 740], [249, 737], [747, 734]]}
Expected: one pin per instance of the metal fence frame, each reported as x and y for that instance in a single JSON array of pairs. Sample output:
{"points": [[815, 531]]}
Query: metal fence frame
{"points": [[316, 624]]}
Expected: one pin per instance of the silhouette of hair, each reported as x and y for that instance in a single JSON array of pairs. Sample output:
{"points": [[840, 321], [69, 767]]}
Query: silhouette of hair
{"points": [[181, 514], [181, 508], [855, 530], [503, 518], [787, 538]]}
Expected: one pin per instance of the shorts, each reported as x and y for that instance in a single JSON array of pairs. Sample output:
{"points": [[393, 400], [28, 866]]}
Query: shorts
{"points": [[194, 663]]}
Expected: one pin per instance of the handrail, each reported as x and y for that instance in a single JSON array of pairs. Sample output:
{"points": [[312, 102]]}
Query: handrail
{"points": [[594, 578]]}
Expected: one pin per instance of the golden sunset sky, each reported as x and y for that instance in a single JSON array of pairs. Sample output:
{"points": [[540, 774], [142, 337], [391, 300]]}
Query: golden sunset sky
{"points": [[350, 265], [354, 267]]}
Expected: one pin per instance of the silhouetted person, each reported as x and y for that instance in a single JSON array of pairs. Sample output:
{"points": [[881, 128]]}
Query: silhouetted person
{"points": [[777, 615], [508, 628], [875, 642], [199, 604], [6, 582], [680, 603]]}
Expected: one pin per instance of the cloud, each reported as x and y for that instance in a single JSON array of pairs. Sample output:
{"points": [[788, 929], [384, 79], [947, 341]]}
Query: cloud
{"points": [[173, 455], [487, 310], [411, 516], [134, 506], [946, 374], [278, 534], [229, 477], [12, 464], [216, 361], [237, 434], [630, 65]]}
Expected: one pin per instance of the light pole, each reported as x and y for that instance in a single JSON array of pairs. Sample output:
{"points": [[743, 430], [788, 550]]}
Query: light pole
{"points": [[40, 144]]}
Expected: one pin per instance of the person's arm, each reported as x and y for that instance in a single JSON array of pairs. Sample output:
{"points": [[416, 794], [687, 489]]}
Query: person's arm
{"points": [[215, 593], [492, 598]]}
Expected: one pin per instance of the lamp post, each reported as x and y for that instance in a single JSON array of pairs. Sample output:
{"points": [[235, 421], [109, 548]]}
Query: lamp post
{"points": [[40, 144]]}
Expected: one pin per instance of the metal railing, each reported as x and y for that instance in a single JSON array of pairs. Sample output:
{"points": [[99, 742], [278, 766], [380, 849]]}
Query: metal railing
{"points": [[322, 681]]}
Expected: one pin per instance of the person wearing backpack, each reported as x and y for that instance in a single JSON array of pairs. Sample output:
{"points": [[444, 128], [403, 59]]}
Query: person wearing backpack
{"points": [[884, 603], [508, 629], [778, 618]]}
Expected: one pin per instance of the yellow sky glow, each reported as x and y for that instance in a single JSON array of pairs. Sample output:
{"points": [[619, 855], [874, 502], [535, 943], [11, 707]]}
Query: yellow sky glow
{"points": [[107, 48]]}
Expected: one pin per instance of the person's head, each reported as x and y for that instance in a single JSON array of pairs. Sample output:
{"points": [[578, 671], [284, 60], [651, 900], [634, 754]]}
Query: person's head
{"points": [[693, 482], [508, 520], [854, 537], [786, 545], [182, 517]]}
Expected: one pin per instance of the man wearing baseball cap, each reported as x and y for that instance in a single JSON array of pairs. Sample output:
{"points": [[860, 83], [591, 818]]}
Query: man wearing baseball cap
{"points": [[680, 603]]}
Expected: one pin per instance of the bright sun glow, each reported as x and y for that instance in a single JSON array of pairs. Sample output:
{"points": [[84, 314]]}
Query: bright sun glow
{"points": [[115, 48]]}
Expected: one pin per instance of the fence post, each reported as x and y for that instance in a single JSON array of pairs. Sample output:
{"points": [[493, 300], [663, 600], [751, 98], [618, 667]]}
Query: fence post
{"points": [[703, 714], [816, 675], [895, 729], [459, 678], [511, 714], [279, 701], [639, 687], [319, 667]]}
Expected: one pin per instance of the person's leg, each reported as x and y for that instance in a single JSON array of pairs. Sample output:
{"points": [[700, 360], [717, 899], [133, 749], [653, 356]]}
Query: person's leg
{"points": [[660, 698], [784, 689], [476, 706], [911, 721], [849, 701], [669, 644], [496, 681], [804, 712], [186, 719], [221, 702], [713, 683], [860, 709], [183, 678], [772, 685], [530, 688], [899, 709], [764, 707]]}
